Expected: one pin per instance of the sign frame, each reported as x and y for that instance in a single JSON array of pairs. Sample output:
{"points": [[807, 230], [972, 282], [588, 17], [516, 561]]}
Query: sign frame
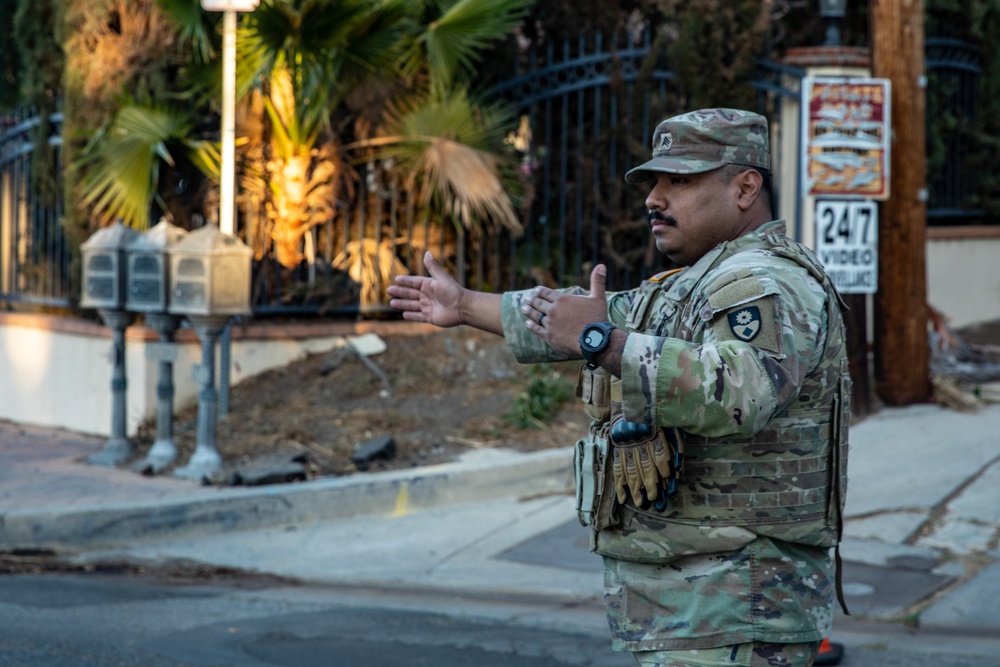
{"points": [[846, 129], [847, 243]]}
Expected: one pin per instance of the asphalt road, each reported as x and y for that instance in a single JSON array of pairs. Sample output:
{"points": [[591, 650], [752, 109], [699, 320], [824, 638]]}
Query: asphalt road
{"points": [[78, 620]]}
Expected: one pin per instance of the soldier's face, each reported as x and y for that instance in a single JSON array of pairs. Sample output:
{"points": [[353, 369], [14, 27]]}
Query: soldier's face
{"points": [[689, 214]]}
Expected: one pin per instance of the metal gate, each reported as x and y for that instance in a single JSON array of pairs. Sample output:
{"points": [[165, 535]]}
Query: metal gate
{"points": [[953, 71], [35, 256], [587, 110]]}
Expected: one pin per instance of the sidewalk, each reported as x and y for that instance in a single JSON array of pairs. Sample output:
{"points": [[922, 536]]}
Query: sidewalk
{"points": [[923, 520]]}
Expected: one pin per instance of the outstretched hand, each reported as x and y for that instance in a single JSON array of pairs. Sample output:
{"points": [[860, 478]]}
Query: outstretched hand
{"points": [[434, 299], [560, 318]]}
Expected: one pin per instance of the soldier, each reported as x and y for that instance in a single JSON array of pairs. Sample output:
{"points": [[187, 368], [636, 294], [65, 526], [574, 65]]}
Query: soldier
{"points": [[713, 476]]}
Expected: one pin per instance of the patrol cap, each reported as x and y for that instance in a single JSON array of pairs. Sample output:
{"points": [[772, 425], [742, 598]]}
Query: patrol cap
{"points": [[704, 140]]}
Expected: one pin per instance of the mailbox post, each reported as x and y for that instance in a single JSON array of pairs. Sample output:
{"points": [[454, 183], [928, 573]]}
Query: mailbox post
{"points": [[209, 284], [149, 293], [104, 289]]}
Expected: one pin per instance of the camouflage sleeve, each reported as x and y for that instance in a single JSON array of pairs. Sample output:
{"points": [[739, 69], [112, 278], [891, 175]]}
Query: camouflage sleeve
{"points": [[758, 331], [528, 348]]}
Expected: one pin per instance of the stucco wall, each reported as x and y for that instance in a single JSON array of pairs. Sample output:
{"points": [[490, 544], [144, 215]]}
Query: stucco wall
{"points": [[963, 274], [57, 371]]}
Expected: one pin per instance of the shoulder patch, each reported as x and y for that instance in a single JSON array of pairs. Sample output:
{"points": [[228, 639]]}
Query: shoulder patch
{"points": [[757, 322], [744, 322]]}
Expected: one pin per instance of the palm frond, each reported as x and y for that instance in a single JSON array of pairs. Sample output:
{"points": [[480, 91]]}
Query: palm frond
{"points": [[193, 26], [454, 42], [372, 265], [121, 166], [446, 145]]}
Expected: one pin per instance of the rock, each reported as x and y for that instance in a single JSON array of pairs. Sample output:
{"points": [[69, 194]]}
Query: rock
{"points": [[382, 447], [281, 469]]}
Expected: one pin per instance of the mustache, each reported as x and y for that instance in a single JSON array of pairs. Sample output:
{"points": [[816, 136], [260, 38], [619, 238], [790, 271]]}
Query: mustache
{"points": [[659, 217]]}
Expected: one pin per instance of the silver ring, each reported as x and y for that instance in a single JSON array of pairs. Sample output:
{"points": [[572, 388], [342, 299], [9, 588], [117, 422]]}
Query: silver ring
{"points": [[540, 318]]}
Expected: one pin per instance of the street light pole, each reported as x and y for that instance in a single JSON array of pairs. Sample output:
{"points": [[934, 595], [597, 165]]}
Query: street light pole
{"points": [[227, 186], [227, 179]]}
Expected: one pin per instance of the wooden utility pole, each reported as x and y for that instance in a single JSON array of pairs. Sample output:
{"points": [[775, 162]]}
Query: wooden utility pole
{"points": [[902, 357]]}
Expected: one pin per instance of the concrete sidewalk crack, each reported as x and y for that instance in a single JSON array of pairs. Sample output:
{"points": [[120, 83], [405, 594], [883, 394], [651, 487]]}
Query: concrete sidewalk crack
{"points": [[938, 512]]}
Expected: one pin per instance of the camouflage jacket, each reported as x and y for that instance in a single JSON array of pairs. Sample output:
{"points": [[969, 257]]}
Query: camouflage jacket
{"points": [[721, 366]]}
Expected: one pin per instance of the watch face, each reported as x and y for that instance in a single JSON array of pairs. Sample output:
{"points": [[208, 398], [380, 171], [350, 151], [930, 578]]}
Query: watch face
{"points": [[595, 338]]}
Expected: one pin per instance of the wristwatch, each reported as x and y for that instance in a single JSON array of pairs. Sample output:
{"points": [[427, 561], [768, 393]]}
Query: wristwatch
{"points": [[594, 339]]}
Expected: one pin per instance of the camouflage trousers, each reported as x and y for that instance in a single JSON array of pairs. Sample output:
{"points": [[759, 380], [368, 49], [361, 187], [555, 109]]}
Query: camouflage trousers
{"points": [[757, 654]]}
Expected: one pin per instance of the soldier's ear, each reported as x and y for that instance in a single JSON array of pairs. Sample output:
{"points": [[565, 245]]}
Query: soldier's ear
{"points": [[750, 183]]}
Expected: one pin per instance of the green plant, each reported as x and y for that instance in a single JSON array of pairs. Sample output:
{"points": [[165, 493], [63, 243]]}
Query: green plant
{"points": [[537, 404]]}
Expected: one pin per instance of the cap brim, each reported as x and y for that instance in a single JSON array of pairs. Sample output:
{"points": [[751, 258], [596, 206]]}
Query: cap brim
{"points": [[669, 165]]}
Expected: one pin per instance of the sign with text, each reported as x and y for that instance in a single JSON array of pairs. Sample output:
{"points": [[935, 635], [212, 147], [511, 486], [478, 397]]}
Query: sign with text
{"points": [[847, 243], [846, 130]]}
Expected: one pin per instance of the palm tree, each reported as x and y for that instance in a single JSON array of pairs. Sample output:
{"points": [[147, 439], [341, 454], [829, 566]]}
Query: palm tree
{"points": [[408, 61], [324, 85], [302, 60]]}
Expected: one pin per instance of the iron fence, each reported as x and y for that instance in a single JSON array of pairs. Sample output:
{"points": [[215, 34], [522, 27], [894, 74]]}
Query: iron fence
{"points": [[586, 109], [953, 71], [35, 257]]}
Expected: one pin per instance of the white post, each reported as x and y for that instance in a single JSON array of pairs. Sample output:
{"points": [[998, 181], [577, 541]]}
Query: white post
{"points": [[227, 193]]}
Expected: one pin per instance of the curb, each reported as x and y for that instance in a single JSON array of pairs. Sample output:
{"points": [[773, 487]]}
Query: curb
{"points": [[481, 475]]}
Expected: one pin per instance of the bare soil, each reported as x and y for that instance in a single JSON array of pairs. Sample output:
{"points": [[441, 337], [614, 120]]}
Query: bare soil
{"points": [[447, 393]]}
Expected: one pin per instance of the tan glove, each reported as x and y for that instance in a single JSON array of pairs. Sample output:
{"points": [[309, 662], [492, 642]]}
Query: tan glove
{"points": [[643, 463]]}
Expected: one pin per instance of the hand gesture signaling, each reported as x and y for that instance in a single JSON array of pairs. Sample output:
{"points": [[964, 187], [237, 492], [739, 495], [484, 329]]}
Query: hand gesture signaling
{"points": [[434, 299]]}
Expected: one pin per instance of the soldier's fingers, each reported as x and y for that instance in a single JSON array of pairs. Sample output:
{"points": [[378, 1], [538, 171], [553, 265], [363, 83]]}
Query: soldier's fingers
{"points": [[534, 311], [403, 298], [404, 304], [414, 316], [413, 282], [546, 294]]}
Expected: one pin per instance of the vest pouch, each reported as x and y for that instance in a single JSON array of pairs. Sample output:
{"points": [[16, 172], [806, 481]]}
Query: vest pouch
{"points": [[593, 387], [595, 498]]}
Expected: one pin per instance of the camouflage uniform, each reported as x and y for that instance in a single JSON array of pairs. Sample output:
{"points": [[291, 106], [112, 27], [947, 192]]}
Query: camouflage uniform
{"points": [[742, 357]]}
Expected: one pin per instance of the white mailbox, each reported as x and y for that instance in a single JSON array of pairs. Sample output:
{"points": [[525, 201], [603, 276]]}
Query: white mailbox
{"points": [[209, 274], [104, 267], [149, 268]]}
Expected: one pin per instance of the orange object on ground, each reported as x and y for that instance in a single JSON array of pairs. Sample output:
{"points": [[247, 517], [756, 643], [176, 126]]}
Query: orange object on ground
{"points": [[829, 653]]}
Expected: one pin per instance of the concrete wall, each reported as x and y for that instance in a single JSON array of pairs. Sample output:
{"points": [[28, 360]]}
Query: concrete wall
{"points": [[963, 273], [57, 371]]}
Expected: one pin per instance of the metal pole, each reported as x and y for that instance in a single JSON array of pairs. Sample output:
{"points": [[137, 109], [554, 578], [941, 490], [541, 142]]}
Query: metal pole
{"points": [[206, 459], [225, 362], [118, 448], [164, 451], [228, 176]]}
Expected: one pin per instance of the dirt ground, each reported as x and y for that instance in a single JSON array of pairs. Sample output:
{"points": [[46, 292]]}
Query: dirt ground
{"points": [[447, 393]]}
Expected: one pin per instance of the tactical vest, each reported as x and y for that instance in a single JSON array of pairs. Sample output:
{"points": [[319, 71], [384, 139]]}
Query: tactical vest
{"points": [[786, 482]]}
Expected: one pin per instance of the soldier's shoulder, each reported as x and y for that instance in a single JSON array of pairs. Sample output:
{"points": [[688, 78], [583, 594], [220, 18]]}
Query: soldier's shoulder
{"points": [[759, 263], [764, 274]]}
